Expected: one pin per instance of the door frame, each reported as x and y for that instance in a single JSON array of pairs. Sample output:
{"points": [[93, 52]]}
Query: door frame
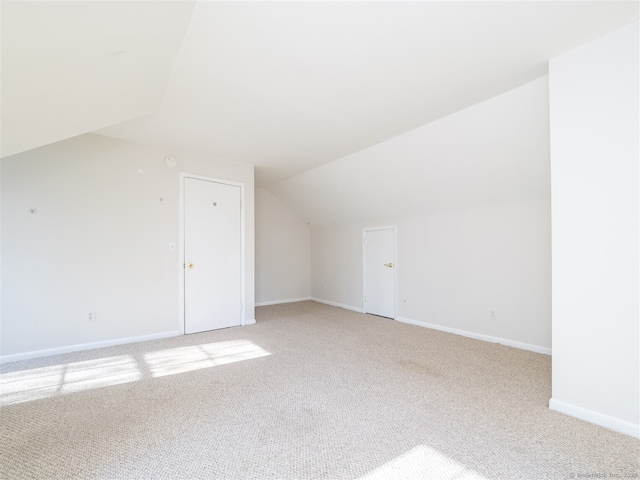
{"points": [[395, 266], [181, 259]]}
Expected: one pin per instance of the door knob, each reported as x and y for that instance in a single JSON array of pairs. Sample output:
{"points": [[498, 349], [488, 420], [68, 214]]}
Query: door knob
{"points": [[390, 265], [188, 265]]}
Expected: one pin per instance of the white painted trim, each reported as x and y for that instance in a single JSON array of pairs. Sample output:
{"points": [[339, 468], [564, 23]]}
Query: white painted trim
{"points": [[278, 302], [612, 423], [181, 259], [395, 266], [16, 357], [340, 305], [251, 321], [478, 336], [385, 227]]}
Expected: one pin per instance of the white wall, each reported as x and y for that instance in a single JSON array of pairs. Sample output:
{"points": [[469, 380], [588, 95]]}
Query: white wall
{"points": [[282, 252], [336, 265], [469, 195], [455, 267], [594, 164], [99, 241]]}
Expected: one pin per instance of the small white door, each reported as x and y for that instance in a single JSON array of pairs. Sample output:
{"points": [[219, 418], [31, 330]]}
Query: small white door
{"points": [[379, 277], [212, 255]]}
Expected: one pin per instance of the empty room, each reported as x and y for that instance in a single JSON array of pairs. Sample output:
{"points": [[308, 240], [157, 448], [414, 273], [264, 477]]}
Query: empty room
{"points": [[320, 239]]}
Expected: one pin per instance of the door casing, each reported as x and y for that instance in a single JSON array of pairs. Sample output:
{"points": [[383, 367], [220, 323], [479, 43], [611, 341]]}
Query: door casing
{"points": [[181, 261]]}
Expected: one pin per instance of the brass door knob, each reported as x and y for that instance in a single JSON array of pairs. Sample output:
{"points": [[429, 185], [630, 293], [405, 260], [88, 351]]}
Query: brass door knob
{"points": [[390, 265], [188, 265]]}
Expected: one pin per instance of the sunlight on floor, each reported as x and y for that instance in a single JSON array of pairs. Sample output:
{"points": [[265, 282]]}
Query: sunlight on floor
{"points": [[196, 357], [27, 385], [45, 382], [423, 462]]}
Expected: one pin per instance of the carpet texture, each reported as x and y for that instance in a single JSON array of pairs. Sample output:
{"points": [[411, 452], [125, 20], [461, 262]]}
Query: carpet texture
{"points": [[309, 392]]}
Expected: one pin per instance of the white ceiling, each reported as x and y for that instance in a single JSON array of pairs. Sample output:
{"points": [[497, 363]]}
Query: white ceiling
{"points": [[286, 86], [496, 151], [71, 67]]}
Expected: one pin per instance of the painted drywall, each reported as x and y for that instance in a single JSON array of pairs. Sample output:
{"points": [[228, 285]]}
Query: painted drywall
{"points": [[104, 63], [107, 210], [495, 151], [282, 252], [453, 269], [594, 110], [288, 86], [470, 197], [336, 265]]}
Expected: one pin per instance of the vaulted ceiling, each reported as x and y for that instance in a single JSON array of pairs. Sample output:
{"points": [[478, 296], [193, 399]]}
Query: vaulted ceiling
{"points": [[286, 86]]}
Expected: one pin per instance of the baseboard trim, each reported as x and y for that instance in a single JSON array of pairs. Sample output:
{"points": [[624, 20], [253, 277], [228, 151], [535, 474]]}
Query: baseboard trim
{"points": [[478, 336], [251, 321], [17, 357], [278, 302], [612, 423], [334, 304]]}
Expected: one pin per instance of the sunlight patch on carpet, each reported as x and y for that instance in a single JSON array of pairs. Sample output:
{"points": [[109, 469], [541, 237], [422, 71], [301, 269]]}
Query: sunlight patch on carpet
{"points": [[196, 357], [46, 382], [423, 462]]}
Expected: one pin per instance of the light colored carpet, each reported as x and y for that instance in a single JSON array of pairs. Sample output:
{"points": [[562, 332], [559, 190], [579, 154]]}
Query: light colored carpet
{"points": [[309, 392]]}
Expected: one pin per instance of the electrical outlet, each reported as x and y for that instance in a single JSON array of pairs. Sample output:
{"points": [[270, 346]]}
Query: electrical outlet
{"points": [[172, 246], [492, 314], [91, 316]]}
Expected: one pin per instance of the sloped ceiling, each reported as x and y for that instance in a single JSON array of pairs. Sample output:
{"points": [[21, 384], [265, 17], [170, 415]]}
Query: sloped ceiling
{"points": [[492, 152], [72, 67], [286, 86]]}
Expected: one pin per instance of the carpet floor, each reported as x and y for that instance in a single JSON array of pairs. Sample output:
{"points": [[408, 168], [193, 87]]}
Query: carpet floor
{"points": [[309, 392]]}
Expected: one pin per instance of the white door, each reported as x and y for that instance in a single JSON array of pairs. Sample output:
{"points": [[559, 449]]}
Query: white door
{"points": [[379, 278], [212, 255]]}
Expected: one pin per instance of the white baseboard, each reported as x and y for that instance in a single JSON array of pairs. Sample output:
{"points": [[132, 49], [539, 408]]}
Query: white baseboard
{"points": [[278, 302], [479, 336], [334, 304], [251, 321], [612, 423], [16, 357]]}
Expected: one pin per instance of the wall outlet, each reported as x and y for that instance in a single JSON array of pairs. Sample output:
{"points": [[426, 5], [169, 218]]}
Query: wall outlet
{"points": [[172, 246], [91, 316], [492, 314]]}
